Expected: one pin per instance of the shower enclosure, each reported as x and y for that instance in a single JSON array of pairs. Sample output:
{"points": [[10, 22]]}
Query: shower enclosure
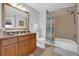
{"points": [[65, 29]]}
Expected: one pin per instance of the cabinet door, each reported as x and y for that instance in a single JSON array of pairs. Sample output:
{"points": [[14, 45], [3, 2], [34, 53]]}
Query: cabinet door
{"points": [[10, 50], [0, 51], [27, 46], [24, 47], [33, 44]]}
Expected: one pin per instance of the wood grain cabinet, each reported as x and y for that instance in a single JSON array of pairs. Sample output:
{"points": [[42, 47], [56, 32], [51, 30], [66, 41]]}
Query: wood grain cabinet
{"points": [[18, 46]]}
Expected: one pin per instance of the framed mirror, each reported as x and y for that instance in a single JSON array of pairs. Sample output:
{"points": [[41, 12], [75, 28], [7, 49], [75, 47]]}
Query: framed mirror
{"points": [[14, 18]]}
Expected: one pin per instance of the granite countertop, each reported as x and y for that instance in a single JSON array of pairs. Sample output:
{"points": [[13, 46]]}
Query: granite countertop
{"points": [[15, 35]]}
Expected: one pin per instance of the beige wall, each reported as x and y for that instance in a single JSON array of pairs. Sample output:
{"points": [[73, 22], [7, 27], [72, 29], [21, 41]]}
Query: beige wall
{"points": [[64, 26]]}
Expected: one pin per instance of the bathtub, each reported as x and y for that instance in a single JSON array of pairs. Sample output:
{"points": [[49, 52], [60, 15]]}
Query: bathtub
{"points": [[66, 44]]}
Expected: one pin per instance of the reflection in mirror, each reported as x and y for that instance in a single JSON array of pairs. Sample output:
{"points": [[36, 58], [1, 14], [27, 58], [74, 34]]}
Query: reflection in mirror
{"points": [[9, 22], [21, 23]]}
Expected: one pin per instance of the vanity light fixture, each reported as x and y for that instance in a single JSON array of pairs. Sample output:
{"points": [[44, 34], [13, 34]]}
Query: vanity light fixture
{"points": [[19, 6]]}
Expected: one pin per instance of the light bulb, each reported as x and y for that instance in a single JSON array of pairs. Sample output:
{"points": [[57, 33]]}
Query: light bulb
{"points": [[24, 9], [14, 4], [19, 6]]}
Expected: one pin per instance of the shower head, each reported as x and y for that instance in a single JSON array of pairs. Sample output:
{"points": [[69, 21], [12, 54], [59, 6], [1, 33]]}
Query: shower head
{"points": [[72, 12]]}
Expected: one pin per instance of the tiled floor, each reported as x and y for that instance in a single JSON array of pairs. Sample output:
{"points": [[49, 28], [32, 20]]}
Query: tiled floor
{"points": [[52, 51]]}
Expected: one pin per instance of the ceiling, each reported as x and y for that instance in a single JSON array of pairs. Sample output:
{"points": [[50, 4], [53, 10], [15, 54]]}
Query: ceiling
{"points": [[49, 6]]}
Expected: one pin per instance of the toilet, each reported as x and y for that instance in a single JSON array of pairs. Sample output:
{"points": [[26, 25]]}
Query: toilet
{"points": [[40, 41]]}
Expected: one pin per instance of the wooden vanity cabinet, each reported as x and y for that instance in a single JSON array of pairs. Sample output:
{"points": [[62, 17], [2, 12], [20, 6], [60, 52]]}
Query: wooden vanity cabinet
{"points": [[18, 46]]}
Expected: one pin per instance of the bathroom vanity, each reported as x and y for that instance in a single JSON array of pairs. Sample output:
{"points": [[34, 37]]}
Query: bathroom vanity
{"points": [[14, 27], [17, 45]]}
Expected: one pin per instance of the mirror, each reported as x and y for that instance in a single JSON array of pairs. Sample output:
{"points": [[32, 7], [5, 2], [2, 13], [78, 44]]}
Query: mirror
{"points": [[15, 18]]}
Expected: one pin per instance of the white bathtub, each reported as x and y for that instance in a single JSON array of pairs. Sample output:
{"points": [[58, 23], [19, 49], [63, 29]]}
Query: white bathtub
{"points": [[66, 44]]}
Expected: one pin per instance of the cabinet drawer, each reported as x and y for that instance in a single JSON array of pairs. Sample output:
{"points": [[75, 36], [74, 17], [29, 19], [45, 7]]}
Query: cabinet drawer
{"points": [[9, 41], [33, 35], [24, 37]]}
